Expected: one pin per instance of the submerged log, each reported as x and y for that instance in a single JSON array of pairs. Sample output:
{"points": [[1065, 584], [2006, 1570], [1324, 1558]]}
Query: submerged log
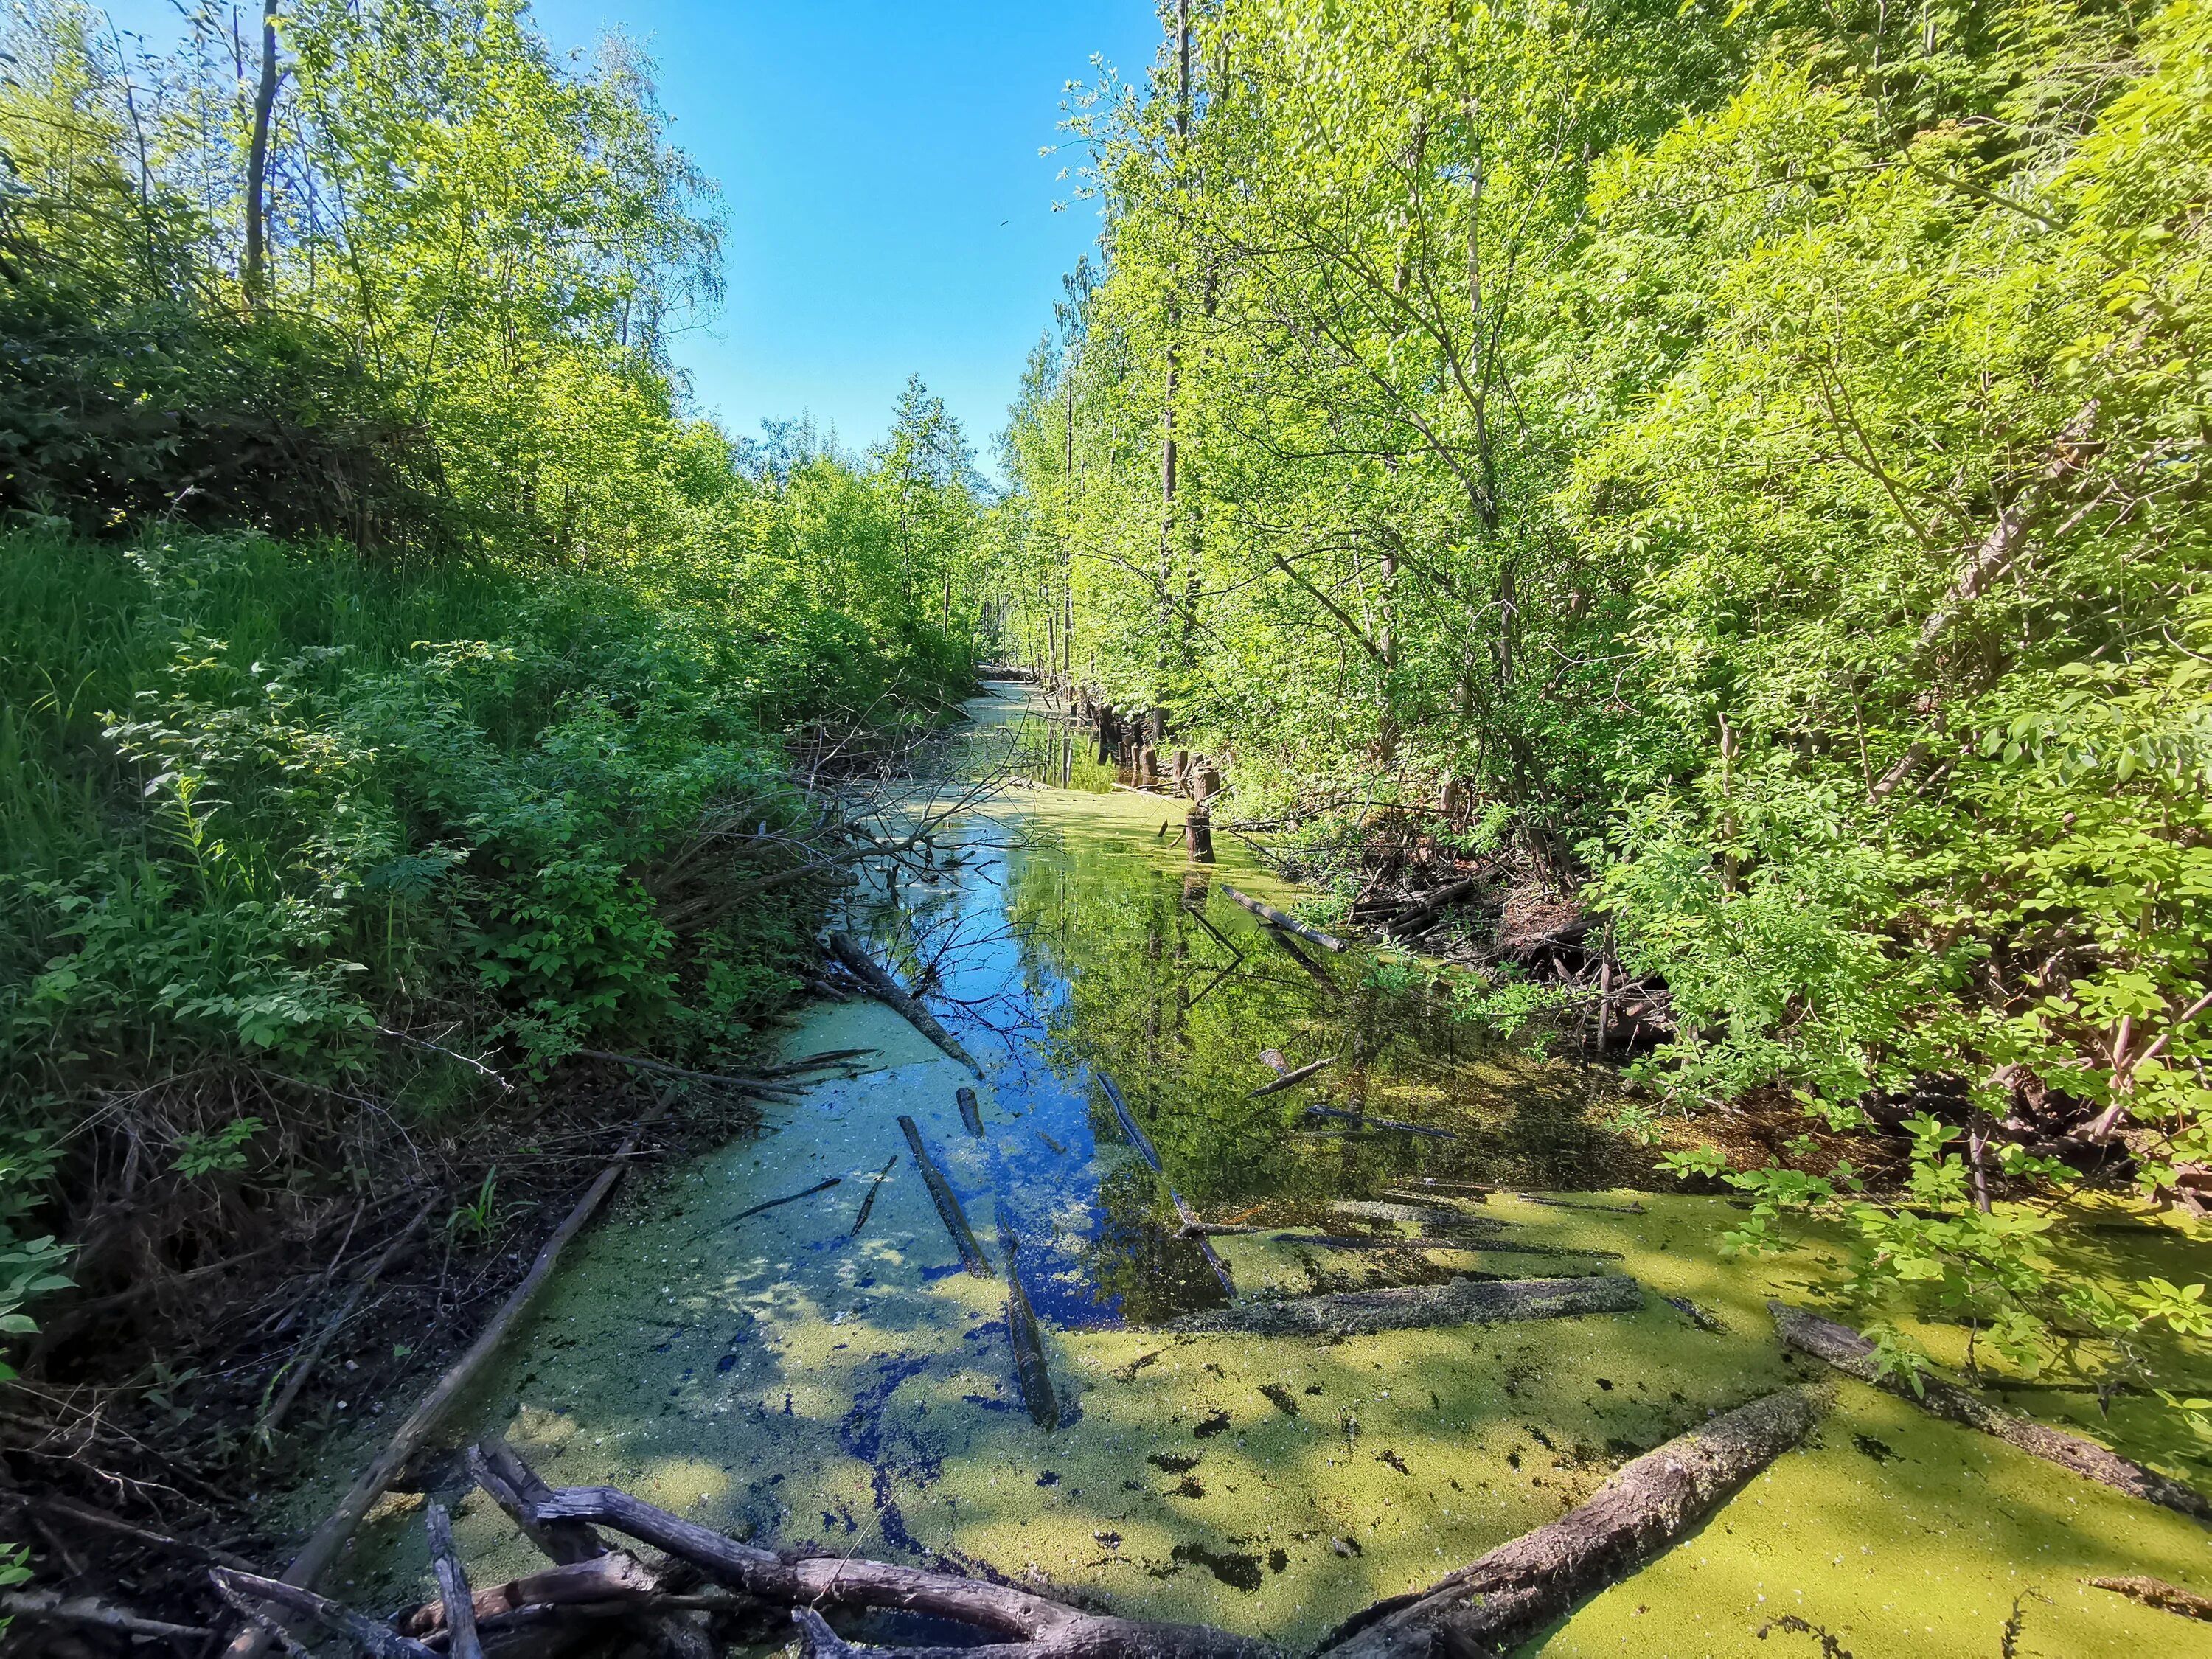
{"points": [[868, 1203], [1022, 1333], [971, 1113], [1289, 923], [1398, 1242], [1409, 1307], [1363, 1121], [1497, 1603], [1146, 1150], [788, 1198], [1853, 1355], [948, 1205], [888, 991], [1418, 1215]]}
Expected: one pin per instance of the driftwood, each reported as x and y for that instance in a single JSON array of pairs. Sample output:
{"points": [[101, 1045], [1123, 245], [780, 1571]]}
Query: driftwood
{"points": [[323, 1545], [1363, 1121], [948, 1204], [1292, 1078], [1268, 913], [886, 990], [1146, 1150], [1853, 1355], [2157, 1593], [868, 1203], [788, 1198], [1497, 1603], [971, 1114], [1407, 1307]]}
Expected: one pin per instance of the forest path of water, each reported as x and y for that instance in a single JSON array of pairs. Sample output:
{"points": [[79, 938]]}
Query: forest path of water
{"points": [[775, 1373]]}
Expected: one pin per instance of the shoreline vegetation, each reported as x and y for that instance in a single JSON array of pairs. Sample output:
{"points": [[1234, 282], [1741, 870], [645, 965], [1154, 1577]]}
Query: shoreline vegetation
{"points": [[1683, 530]]}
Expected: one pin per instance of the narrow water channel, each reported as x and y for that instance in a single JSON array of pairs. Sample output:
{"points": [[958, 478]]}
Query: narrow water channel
{"points": [[823, 1373]]}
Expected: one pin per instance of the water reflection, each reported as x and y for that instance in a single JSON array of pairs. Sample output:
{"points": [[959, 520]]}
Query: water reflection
{"points": [[1073, 940]]}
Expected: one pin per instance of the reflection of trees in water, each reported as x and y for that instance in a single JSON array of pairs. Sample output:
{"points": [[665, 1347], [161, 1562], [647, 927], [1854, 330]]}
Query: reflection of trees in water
{"points": [[1119, 951], [1134, 1257]]}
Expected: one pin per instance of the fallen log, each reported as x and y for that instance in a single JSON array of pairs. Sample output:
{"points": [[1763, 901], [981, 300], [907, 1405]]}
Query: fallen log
{"points": [[886, 990], [252, 1595], [1292, 1079], [456, 1601], [1851, 1353], [1418, 1215], [616, 1575], [788, 1198], [1367, 1122], [2157, 1593], [1493, 1604], [1289, 923], [324, 1543], [1407, 1307], [1417, 915], [1146, 1150], [970, 1113], [948, 1205], [1023, 1335], [1398, 1241]]}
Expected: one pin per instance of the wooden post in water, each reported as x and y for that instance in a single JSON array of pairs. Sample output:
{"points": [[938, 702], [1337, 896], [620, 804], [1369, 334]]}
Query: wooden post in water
{"points": [[1198, 832]]}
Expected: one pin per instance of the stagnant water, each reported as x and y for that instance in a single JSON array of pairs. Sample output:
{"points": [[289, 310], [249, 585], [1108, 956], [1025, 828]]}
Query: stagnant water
{"points": [[782, 1374]]}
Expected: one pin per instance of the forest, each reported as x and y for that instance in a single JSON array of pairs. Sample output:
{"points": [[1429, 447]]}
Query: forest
{"points": [[1675, 536]]}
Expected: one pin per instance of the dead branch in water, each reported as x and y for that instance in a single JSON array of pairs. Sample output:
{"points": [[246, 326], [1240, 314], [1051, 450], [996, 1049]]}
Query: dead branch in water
{"points": [[1290, 1079], [947, 1203], [2157, 1593], [788, 1198], [1853, 1355], [1281, 918], [888, 991]]}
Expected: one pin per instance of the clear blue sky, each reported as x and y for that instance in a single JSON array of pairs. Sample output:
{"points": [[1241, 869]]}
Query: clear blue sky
{"points": [[888, 211]]}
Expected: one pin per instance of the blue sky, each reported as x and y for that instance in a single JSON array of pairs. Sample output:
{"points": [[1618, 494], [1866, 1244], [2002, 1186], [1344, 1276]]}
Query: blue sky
{"points": [[888, 211]]}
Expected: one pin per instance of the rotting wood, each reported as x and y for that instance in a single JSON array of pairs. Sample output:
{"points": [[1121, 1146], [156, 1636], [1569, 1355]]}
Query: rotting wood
{"points": [[1289, 923], [788, 1198], [1409, 1307], [617, 1576], [1145, 1149], [1697, 1316], [304, 1367], [456, 1601], [1022, 1333], [868, 1203], [1292, 1078], [2157, 1593], [324, 1543], [514, 1485], [1495, 1603], [948, 1205], [1485, 1242], [971, 1113], [1417, 1215], [1851, 1353], [1366, 1122], [1418, 916], [886, 990]]}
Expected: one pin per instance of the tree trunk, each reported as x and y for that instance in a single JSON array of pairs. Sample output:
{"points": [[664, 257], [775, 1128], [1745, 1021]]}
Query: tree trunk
{"points": [[255, 276]]}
